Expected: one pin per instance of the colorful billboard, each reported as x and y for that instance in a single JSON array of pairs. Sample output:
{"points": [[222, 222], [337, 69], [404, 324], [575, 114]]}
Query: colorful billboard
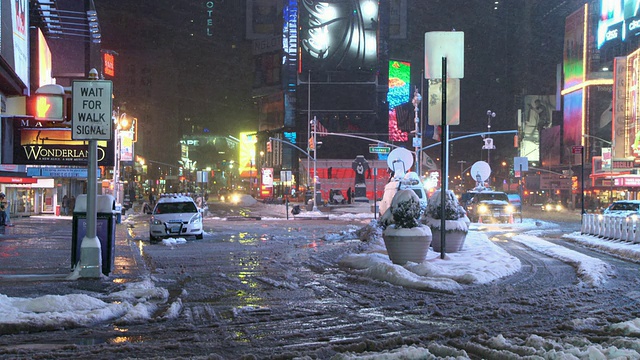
{"points": [[574, 47], [573, 122], [338, 35], [399, 93]]}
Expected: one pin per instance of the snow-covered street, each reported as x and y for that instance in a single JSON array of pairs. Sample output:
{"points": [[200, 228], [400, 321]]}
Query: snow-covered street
{"points": [[327, 289]]}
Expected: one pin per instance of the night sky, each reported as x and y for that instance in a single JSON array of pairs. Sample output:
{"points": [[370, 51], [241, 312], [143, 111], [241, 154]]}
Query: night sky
{"points": [[169, 69]]}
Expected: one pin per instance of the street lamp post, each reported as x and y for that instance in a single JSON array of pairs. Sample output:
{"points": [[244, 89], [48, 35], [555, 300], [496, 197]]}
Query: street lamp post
{"points": [[490, 114]]}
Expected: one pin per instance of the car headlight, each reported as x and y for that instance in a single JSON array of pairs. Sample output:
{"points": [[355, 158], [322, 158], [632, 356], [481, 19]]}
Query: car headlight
{"points": [[558, 207], [483, 209], [510, 209], [196, 219], [156, 222], [235, 198], [547, 207], [222, 198]]}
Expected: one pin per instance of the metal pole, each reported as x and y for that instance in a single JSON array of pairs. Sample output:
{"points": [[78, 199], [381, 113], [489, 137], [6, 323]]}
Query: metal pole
{"points": [[417, 139], [309, 127], [444, 149], [582, 182], [520, 188], [90, 249], [315, 163]]}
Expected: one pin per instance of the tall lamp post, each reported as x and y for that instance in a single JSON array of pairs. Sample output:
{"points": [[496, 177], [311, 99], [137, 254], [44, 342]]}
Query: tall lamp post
{"points": [[610, 165], [490, 114]]}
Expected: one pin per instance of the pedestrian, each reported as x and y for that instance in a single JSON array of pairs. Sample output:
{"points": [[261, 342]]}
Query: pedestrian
{"points": [[72, 203], [349, 195], [65, 205], [4, 210]]}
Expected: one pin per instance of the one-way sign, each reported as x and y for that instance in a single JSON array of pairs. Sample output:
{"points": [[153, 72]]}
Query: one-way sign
{"points": [[91, 118]]}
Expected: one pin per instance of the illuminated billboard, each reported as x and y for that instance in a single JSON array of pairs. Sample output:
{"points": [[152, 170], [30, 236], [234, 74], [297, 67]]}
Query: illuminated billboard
{"points": [[15, 37], [339, 35], [618, 21], [537, 117], [632, 126], [247, 155], [399, 93], [574, 61], [37, 144], [573, 121]]}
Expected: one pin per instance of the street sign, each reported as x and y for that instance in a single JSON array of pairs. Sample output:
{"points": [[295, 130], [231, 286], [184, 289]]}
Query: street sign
{"points": [[576, 149], [379, 149], [91, 118]]}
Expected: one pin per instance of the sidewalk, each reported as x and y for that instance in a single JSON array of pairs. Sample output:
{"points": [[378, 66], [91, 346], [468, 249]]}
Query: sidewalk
{"points": [[36, 258]]}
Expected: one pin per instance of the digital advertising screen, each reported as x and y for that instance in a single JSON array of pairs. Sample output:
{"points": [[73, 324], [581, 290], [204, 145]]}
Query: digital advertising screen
{"points": [[399, 93], [341, 35], [618, 21]]}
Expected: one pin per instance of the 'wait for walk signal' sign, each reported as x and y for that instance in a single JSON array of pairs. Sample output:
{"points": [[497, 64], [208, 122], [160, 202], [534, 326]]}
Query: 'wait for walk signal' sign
{"points": [[92, 106]]}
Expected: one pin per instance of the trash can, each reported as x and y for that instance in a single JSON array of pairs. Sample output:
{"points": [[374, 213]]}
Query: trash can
{"points": [[105, 230], [57, 210]]}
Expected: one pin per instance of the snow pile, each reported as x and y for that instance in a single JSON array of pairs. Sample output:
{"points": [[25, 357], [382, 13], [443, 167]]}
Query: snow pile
{"points": [[137, 302]]}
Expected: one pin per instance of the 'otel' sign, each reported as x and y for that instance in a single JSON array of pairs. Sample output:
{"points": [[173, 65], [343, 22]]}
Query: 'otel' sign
{"points": [[92, 107]]}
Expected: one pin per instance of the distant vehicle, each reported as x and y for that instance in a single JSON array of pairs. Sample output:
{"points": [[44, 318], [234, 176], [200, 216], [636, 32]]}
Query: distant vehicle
{"points": [[514, 199], [553, 206], [336, 197], [410, 181], [489, 205], [623, 208], [175, 216]]}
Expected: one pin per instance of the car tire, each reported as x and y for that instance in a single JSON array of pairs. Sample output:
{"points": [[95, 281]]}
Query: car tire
{"points": [[199, 236], [153, 239]]}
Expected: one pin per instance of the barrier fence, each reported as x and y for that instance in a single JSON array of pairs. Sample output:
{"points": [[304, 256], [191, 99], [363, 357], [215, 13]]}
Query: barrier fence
{"points": [[611, 227]]}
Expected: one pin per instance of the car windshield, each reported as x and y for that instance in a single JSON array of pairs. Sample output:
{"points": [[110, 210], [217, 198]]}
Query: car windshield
{"points": [[492, 196], [418, 192], [623, 206], [176, 207]]}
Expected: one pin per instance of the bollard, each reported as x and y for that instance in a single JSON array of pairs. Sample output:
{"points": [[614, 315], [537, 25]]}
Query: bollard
{"points": [[600, 226], [585, 224]]}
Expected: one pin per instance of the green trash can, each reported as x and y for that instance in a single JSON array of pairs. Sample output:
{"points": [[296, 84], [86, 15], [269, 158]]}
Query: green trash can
{"points": [[105, 230]]}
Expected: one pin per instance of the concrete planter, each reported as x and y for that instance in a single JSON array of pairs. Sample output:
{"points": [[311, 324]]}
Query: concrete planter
{"points": [[407, 244], [454, 240]]}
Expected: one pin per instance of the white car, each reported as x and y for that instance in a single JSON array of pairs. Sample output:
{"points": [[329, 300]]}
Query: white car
{"points": [[410, 181], [175, 216]]}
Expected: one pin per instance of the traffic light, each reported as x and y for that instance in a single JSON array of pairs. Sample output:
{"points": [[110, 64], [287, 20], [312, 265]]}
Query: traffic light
{"points": [[48, 107], [269, 146], [47, 103]]}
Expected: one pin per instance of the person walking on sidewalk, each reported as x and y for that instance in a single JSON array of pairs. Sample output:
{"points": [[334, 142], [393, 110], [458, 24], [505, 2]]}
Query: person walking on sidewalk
{"points": [[4, 211], [65, 205]]}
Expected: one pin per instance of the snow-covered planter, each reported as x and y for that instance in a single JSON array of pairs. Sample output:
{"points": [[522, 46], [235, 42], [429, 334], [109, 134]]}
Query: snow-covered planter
{"points": [[456, 221], [405, 238]]}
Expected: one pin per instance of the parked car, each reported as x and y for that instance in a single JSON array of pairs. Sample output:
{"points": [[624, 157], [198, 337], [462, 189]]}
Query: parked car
{"points": [[623, 208], [175, 216], [489, 205]]}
